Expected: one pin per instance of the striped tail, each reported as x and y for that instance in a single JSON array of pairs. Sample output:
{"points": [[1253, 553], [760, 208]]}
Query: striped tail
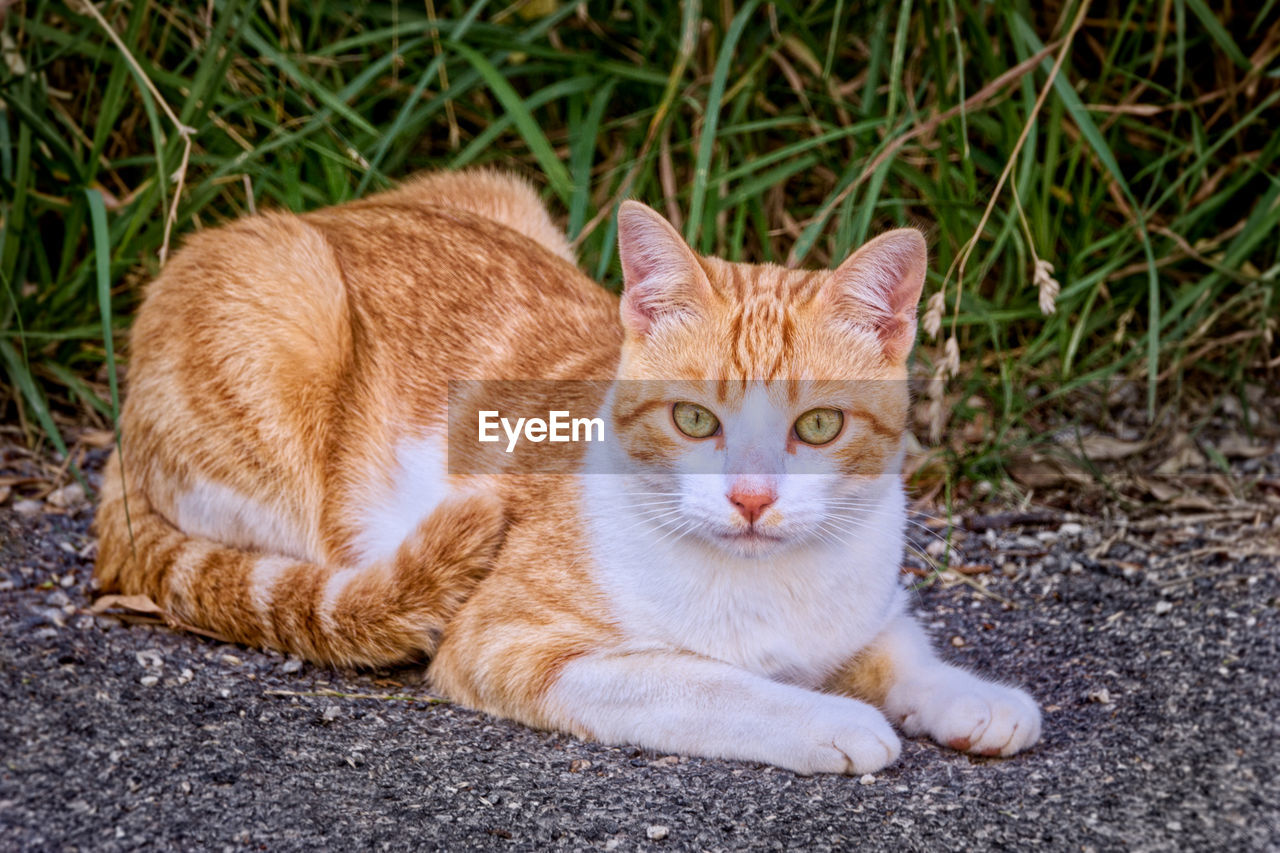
{"points": [[385, 613]]}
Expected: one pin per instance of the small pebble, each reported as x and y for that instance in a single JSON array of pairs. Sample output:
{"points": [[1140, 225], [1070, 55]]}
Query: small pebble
{"points": [[867, 779], [69, 495], [1102, 696], [149, 680], [657, 832], [578, 765], [939, 551], [231, 660], [292, 665], [185, 676], [52, 615], [957, 641], [332, 713], [1070, 528], [27, 507], [1163, 607]]}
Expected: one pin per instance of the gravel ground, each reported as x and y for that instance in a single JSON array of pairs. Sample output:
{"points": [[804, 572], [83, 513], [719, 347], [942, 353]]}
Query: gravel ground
{"points": [[1153, 648]]}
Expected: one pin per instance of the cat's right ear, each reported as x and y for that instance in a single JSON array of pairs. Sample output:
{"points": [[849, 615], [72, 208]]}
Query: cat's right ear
{"points": [[662, 276]]}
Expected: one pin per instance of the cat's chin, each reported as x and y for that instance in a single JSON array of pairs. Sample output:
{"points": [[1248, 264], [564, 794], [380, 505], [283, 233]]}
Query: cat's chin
{"points": [[749, 543]]}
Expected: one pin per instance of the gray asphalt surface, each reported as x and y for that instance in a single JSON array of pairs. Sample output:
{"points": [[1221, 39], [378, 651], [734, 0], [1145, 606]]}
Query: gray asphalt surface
{"points": [[1155, 655]]}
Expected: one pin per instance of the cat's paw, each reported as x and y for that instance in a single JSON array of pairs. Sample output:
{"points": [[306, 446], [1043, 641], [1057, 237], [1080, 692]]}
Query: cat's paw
{"points": [[972, 715], [850, 738]]}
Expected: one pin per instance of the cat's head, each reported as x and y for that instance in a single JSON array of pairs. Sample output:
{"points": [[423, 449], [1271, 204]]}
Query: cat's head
{"points": [[761, 406]]}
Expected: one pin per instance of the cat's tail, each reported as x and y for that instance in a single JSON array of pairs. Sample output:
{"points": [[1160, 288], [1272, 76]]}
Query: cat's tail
{"points": [[388, 612]]}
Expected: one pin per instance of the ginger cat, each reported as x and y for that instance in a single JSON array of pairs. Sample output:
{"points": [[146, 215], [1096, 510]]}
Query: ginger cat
{"points": [[284, 479]]}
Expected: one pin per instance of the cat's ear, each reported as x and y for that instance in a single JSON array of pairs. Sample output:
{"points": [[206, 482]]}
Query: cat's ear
{"points": [[661, 274], [879, 286]]}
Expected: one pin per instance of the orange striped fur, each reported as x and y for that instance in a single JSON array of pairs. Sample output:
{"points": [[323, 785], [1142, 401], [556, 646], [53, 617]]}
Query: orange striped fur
{"points": [[283, 478], [281, 358]]}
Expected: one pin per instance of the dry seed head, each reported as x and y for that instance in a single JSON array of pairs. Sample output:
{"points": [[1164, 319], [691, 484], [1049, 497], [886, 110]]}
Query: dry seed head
{"points": [[933, 314], [1048, 286], [1122, 326], [951, 356]]}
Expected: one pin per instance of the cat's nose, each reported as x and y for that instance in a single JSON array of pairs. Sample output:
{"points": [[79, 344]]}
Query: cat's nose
{"points": [[752, 504]]}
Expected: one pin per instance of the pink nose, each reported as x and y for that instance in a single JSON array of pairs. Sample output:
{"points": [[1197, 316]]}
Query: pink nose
{"points": [[752, 504]]}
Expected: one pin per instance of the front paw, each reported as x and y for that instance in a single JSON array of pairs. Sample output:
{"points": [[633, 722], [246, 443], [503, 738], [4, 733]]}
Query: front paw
{"points": [[843, 737], [972, 715]]}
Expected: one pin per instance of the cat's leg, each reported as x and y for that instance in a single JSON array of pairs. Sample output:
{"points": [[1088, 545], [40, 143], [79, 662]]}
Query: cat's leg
{"points": [[684, 703], [900, 673]]}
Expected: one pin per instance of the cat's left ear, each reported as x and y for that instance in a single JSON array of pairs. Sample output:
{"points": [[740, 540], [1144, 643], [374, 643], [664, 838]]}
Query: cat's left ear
{"points": [[879, 286]]}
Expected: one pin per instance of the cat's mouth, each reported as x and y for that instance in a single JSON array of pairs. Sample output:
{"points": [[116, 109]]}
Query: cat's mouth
{"points": [[750, 542], [750, 534]]}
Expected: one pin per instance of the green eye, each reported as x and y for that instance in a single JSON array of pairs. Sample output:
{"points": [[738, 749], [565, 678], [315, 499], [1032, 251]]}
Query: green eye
{"points": [[694, 421], [819, 426]]}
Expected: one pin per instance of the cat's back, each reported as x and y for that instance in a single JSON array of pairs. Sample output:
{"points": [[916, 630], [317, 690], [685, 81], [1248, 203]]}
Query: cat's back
{"points": [[450, 276], [278, 349], [472, 297]]}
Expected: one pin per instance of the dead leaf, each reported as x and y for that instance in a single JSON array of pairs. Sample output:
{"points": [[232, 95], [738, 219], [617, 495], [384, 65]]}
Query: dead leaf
{"points": [[134, 607], [1161, 491], [137, 604], [1222, 484], [1038, 471], [1104, 448], [1238, 447], [1185, 455], [972, 569]]}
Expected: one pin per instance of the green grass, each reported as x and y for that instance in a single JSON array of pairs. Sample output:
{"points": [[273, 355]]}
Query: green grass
{"points": [[785, 131]]}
